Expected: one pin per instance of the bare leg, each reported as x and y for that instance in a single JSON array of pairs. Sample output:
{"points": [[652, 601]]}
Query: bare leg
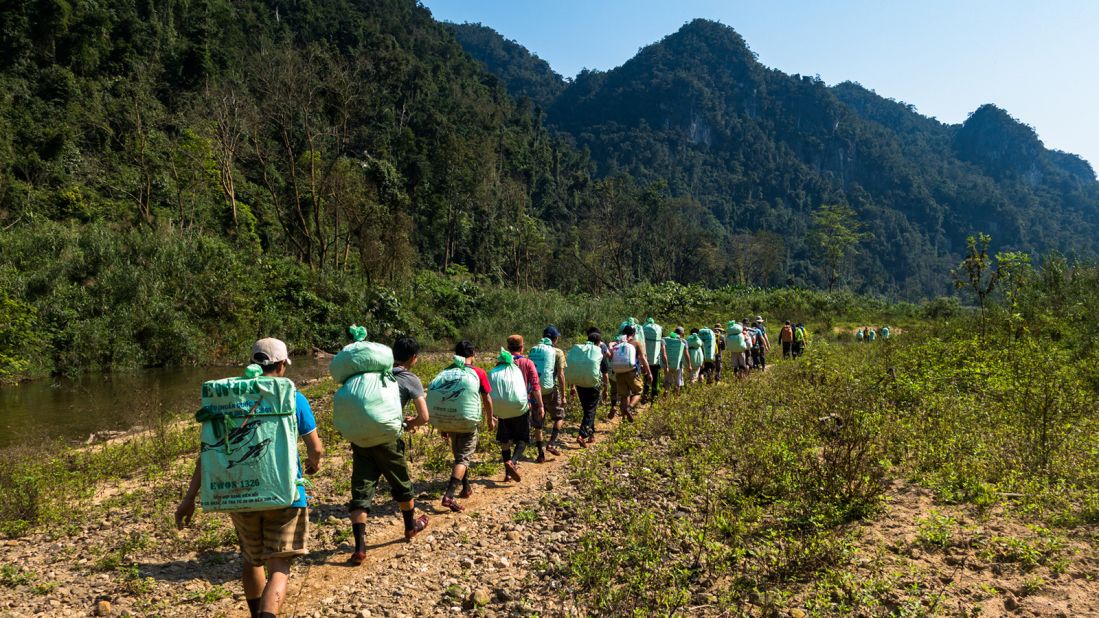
{"points": [[274, 593], [254, 579]]}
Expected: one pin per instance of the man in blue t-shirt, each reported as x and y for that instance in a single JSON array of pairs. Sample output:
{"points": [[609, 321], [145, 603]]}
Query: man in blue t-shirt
{"points": [[271, 538]]}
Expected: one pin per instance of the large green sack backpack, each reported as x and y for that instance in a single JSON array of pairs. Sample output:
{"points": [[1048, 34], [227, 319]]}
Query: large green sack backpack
{"points": [[694, 348], [582, 365], [249, 455], [709, 343], [884, 332], [360, 357], [545, 360], [675, 348], [735, 339], [366, 410], [509, 389], [454, 400], [654, 338]]}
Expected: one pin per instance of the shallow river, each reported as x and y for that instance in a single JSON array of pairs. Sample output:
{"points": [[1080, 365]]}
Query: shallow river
{"points": [[73, 409]]}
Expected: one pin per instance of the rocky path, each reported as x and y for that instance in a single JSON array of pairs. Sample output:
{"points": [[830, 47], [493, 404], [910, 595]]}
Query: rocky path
{"points": [[489, 559]]}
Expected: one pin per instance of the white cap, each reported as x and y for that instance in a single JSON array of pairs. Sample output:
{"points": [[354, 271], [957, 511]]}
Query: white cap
{"points": [[270, 351]]}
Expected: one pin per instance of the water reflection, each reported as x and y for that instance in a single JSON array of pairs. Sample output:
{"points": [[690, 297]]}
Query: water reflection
{"points": [[73, 409]]}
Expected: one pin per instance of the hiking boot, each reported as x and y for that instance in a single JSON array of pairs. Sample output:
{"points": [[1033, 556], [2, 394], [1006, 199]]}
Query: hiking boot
{"points": [[553, 450], [611, 414], [582, 441], [449, 503], [467, 492], [629, 415], [591, 438], [357, 558], [541, 458], [418, 526]]}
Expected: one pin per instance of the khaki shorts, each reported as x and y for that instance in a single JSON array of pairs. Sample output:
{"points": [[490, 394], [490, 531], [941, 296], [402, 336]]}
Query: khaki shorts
{"points": [[463, 446], [552, 402], [278, 533], [629, 382]]}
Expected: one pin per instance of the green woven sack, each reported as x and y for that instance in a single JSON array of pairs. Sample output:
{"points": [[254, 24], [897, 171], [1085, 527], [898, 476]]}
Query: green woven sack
{"points": [[544, 358], [249, 455], [654, 334], [582, 365], [366, 410], [694, 348], [454, 400], [509, 389], [709, 343], [675, 348], [361, 357], [734, 338]]}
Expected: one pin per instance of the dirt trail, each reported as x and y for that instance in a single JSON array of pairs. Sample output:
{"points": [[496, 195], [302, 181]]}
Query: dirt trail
{"points": [[491, 547]]}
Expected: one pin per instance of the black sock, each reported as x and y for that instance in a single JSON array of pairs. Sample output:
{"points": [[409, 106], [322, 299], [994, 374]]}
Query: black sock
{"points": [[253, 607], [506, 453], [359, 530], [465, 480], [451, 485], [553, 435], [407, 515], [541, 451], [266, 615], [519, 448]]}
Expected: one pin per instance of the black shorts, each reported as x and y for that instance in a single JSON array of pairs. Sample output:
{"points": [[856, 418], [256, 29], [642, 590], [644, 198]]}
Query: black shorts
{"points": [[512, 430]]}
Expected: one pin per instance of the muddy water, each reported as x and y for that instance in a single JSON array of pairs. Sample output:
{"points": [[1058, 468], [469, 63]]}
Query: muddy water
{"points": [[73, 409]]}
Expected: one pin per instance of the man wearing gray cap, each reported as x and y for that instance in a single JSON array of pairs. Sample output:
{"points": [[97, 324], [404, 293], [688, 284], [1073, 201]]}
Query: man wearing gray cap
{"points": [[269, 538]]}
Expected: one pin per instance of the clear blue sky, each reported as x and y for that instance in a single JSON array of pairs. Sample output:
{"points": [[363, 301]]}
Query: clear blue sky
{"points": [[1038, 60]]}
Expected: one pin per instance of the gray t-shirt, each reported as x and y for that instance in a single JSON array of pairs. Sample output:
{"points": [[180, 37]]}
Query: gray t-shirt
{"points": [[409, 384]]}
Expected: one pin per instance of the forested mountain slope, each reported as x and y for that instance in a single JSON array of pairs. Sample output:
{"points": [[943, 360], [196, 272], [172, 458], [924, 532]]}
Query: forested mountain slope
{"points": [[523, 73], [177, 177], [760, 149]]}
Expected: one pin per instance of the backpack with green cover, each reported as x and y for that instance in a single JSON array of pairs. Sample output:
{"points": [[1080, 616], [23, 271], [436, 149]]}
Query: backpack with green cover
{"points": [[582, 365], [454, 398], [709, 343], [734, 338], [675, 348], [884, 332], [249, 455], [366, 409], [544, 358], [654, 334], [509, 389], [694, 348], [799, 334]]}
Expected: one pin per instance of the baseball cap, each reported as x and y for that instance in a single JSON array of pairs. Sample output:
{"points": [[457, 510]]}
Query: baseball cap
{"points": [[759, 318], [270, 351], [551, 332]]}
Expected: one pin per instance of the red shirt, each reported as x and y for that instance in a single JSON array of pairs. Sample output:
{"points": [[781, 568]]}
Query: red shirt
{"points": [[483, 377], [530, 374]]}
